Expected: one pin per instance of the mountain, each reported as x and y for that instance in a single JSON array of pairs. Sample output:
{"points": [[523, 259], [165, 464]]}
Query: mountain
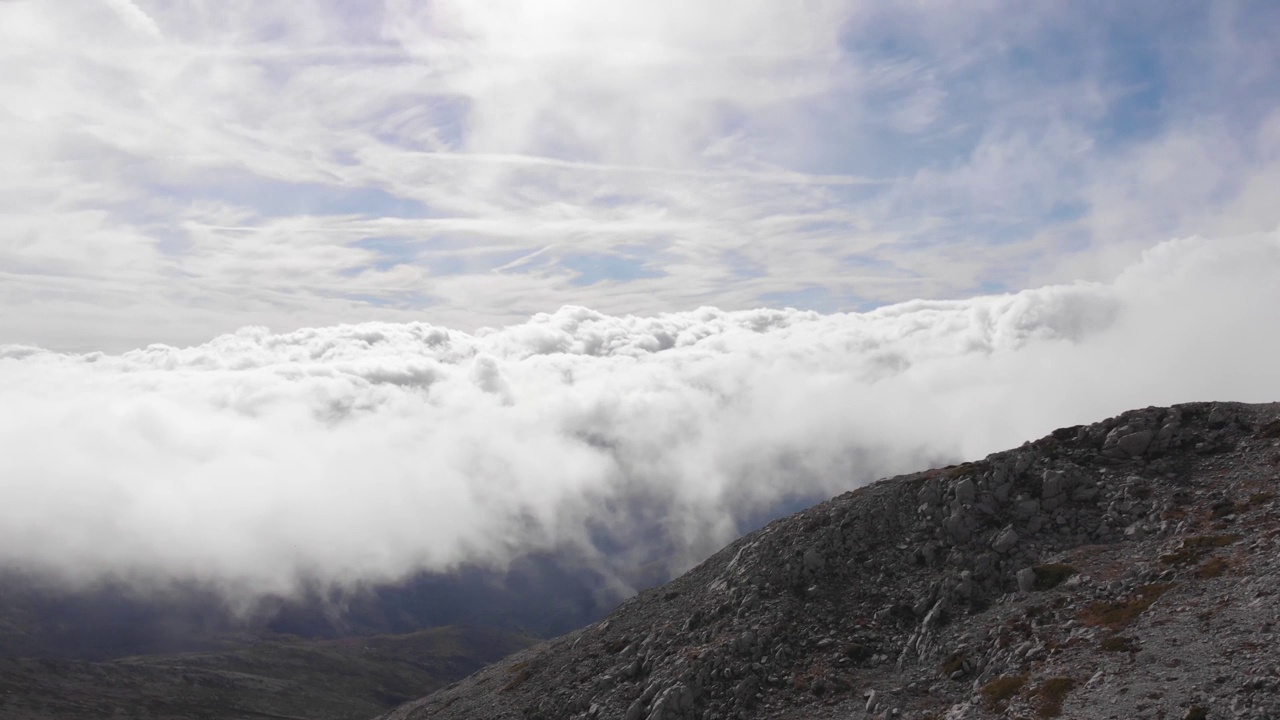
{"points": [[539, 593], [345, 679], [115, 650], [1125, 569]]}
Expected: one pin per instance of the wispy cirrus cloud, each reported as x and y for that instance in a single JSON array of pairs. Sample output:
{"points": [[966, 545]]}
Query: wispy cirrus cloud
{"points": [[175, 170]]}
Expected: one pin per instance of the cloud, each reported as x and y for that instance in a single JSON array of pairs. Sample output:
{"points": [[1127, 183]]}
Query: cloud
{"points": [[176, 170], [135, 17], [360, 453]]}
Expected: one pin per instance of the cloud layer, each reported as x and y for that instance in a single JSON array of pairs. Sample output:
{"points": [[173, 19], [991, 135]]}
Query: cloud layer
{"points": [[175, 170], [365, 452]]}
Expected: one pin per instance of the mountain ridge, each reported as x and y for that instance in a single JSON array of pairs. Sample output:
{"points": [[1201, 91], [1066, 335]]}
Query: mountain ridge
{"points": [[1037, 581], [283, 677]]}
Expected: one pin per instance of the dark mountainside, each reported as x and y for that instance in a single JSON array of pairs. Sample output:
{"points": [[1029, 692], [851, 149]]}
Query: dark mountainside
{"points": [[347, 679], [123, 649], [113, 650], [542, 594], [1126, 569]]}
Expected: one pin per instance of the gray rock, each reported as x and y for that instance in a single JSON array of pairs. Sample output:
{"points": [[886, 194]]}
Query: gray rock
{"points": [[1006, 540], [957, 528], [675, 702], [1134, 444], [1054, 484], [1084, 494], [1001, 492], [1023, 462], [927, 552], [928, 495], [1026, 579], [813, 562], [745, 691], [1026, 508], [965, 491]]}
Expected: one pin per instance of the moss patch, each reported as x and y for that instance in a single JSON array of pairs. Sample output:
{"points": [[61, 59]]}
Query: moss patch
{"points": [[858, 652], [1222, 508], [1195, 548], [1259, 499], [519, 673], [1050, 695], [1118, 614], [953, 663], [1212, 568], [997, 693], [1119, 643], [1051, 575]]}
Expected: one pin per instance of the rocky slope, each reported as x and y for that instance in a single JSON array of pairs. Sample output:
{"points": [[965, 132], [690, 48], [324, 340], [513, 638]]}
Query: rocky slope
{"points": [[1125, 569]]}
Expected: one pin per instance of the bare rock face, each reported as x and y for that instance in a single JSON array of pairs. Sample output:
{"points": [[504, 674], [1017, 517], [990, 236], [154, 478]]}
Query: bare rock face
{"points": [[1126, 569]]}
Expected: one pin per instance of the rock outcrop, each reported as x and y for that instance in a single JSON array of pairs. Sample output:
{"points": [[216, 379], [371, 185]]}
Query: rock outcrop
{"points": [[1123, 569]]}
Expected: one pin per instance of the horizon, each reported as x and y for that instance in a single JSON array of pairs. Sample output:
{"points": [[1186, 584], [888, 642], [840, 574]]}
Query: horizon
{"points": [[292, 294]]}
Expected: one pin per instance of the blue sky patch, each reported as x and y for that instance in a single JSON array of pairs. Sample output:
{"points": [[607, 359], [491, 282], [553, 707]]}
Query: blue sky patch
{"points": [[592, 268], [270, 198]]}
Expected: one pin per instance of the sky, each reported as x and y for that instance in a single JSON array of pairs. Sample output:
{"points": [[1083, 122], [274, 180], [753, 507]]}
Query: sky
{"points": [[347, 290], [178, 170]]}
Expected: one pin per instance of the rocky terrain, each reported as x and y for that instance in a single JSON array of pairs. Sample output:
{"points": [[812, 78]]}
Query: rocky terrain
{"points": [[1125, 569]]}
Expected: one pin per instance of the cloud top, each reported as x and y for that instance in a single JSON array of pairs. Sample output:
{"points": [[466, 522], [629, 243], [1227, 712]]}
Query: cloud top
{"points": [[361, 453]]}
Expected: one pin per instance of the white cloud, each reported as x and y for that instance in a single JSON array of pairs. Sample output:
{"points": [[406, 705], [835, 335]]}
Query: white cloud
{"points": [[176, 170], [364, 452]]}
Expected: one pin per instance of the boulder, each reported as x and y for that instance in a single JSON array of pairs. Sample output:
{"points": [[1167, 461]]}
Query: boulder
{"points": [[1005, 540]]}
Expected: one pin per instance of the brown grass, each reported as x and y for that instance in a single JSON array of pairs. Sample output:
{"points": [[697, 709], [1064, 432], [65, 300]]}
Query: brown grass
{"points": [[1051, 693], [1119, 643], [1051, 575], [948, 472], [1000, 691], [858, 652], [808, 681], [519, 673], [1195, 548], [1212, 568], [1118, 614], [1222, 508], [953, 663], [1259, 498]]}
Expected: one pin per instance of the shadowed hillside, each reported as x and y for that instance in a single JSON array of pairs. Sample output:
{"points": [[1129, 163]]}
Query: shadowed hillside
{"points": [[1125, 569], [285, 678]]}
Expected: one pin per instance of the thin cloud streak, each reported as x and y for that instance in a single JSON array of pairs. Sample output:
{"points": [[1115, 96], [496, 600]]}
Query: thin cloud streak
{"points": [[783, 178], [952, 149]]}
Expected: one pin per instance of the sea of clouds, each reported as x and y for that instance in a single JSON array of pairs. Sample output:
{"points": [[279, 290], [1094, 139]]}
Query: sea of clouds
{"points": [[363, 453]]}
